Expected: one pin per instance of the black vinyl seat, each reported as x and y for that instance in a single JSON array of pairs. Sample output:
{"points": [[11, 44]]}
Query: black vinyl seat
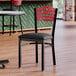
{"points": [[35, 36], [46, 13]]}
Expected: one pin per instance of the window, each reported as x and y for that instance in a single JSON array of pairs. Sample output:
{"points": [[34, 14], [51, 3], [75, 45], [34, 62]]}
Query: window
{"points": [[59, 4]]}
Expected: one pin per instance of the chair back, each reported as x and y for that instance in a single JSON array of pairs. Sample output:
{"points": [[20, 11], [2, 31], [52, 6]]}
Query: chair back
{"points": [[46, 13]]}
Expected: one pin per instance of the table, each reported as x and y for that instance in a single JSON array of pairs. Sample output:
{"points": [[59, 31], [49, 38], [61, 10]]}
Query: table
{"points": [[10, 13]]}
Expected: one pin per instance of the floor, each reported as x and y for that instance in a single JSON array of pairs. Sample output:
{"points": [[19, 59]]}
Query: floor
{"points": [[65, 49]]}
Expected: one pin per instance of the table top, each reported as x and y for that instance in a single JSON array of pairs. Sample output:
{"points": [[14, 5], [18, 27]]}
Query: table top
{"points": [[12, 13]]}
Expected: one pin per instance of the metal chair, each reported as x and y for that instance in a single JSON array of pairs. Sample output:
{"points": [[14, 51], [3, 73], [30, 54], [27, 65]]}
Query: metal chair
{"points": [[13, 3], [46, 13]]}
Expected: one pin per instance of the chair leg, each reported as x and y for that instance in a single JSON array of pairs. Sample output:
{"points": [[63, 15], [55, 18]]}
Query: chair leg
{"points": [[19, 52], [42, 56], [20, 23], [36, 52], [2, 24], [53, 53]]}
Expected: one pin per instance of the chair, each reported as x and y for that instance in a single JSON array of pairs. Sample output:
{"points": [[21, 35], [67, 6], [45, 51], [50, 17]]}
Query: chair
{"points": [[13, 3], [46, 13]]}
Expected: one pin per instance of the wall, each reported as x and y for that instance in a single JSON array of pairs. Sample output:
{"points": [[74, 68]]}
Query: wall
{"points": [[68, 10], [28, 18]]}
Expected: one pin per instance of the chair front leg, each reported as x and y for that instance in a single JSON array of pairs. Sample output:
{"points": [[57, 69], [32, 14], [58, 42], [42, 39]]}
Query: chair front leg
{"points": [[53, 52], [42, 56], [36, 52], [19, 53]]}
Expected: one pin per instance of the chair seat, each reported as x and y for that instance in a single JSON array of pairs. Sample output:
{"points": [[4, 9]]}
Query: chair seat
{"points": [[35, 36]]}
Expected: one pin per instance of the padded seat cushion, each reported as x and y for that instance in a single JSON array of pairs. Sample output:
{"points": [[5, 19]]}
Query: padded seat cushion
{"points": [[35, 36]]}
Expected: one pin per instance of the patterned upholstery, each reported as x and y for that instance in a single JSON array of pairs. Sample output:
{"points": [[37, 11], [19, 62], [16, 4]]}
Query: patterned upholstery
{"points": [[35, 36]]}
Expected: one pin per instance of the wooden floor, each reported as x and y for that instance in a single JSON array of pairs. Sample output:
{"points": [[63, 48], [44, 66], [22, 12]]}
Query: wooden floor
{"points": [[65, 48]]}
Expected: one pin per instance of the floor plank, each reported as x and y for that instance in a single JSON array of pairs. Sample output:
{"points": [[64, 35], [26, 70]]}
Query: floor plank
{"points": [[65, 48]]}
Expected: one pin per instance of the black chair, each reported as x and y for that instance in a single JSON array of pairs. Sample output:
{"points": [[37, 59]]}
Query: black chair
{"points": [[13, 25], [46, 13]]}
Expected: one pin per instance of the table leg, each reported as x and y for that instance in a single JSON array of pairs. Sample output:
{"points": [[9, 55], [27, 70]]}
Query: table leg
{"points": [[2, 63], [3, 24], [2, 66], [20, 23], [10, 25]]}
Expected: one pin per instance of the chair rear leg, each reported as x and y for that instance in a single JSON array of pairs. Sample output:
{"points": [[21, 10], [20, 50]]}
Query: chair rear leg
{"points": [[19, 53], [42, 56], [53, 53], [36, 52]]}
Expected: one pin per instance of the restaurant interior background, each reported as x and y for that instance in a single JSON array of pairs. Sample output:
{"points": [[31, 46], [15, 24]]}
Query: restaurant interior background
{"points": [[66, 9], [28, 18], [59, 4]]}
